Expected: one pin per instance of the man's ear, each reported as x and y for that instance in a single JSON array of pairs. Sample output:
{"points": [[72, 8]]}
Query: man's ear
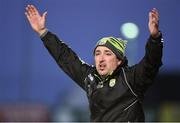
{"points": [[119, 62]]}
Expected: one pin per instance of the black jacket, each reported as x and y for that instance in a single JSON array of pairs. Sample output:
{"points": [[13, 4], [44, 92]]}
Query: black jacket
{"points": [[119, 96]]}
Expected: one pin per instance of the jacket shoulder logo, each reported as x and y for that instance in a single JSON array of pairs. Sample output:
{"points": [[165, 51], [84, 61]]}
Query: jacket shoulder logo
{"points": [[112, 82]]}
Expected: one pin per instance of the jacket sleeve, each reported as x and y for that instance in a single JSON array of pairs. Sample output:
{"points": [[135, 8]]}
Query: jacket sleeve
{"points": [[67, 59], [146, 70]]}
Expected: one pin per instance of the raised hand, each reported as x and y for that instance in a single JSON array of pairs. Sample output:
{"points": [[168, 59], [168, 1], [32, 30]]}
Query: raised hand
{"points": [[154, 23], [35, 19]]}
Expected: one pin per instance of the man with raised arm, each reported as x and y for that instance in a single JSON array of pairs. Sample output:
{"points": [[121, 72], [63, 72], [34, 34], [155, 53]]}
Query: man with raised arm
{"points": [[115, 90]]}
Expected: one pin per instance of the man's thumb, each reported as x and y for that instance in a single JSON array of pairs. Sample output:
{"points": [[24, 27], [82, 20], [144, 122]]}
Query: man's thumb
{"points": [[44, 15]]}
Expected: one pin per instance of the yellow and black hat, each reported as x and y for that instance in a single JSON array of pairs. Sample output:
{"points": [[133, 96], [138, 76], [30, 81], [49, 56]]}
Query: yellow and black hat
{"points": [[116, 45]]}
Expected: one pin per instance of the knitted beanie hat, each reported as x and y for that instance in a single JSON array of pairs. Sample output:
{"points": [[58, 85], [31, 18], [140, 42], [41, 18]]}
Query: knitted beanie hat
{"points": [[116, 45]]}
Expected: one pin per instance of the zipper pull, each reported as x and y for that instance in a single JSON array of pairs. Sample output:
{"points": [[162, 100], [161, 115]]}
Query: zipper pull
{"points": [[100, 84]]}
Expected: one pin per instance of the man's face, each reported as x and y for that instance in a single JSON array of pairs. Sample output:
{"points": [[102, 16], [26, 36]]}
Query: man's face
{"points": [[105, 60]]}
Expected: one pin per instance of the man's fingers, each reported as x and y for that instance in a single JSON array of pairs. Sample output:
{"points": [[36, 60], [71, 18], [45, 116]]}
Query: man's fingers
{"points": [[155, 13], [154, 16], [154, 10], [31, 10], [34, 10], [28, 11], [28, 17]]}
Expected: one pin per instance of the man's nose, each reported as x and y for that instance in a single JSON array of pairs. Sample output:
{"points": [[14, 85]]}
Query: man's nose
{"points": [[101, 59]]}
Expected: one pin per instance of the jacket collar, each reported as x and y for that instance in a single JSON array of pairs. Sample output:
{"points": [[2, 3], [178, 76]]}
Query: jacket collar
{"points": [[114, 73]]}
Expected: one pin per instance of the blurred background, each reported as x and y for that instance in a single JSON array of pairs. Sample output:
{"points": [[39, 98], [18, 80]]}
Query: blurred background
{"points": [[33, 87]]}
